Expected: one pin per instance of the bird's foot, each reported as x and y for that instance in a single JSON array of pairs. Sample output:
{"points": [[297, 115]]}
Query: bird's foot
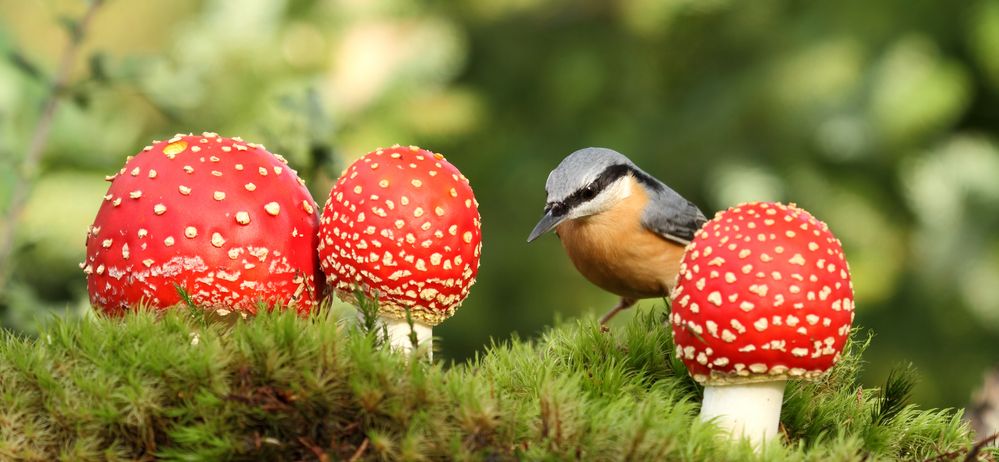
{"points": [[622, 305]]}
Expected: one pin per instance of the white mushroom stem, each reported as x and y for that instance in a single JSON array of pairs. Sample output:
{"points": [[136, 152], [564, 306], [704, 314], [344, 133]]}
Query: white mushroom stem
{"points": [[398, 334], [749, 410]]}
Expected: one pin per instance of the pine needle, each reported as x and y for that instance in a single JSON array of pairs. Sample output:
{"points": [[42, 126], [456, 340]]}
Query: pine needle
{"points": [[894, 395]]}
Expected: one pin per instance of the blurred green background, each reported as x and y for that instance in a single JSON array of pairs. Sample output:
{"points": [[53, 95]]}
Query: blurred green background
{"points": [[880, 117]]}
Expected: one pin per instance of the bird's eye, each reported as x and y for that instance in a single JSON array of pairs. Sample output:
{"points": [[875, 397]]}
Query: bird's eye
{"points": [[589, 192]]}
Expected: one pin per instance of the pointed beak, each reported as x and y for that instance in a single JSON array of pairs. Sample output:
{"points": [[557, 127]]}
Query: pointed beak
{"points": [[546, 224]]}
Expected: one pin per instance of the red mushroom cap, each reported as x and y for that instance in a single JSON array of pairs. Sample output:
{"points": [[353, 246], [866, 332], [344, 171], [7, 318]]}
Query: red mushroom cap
{"points": [[225, 220], [402, 224], [764, 293]]}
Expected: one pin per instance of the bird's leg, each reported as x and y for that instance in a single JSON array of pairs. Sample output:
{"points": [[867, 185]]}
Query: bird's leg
{"points": [[622, 305]]}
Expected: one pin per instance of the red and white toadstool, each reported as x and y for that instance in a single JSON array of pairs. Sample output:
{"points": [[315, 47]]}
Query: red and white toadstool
{"points": [[225, 220], [763, 296], [401, 224]]}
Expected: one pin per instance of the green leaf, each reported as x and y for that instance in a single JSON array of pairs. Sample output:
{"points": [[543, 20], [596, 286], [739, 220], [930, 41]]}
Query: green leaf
{"points": [[23, 64]]}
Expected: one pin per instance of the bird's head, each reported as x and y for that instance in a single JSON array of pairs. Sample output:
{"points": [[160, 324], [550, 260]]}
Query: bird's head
{"points": [[587, 182]]}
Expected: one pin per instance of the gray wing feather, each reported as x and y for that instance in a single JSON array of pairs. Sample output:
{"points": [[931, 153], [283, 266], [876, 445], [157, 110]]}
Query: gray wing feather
{"points": [[671, 216]]}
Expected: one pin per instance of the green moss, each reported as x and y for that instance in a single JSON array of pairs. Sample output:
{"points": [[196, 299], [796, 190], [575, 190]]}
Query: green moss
{"points": [[279, 387]]}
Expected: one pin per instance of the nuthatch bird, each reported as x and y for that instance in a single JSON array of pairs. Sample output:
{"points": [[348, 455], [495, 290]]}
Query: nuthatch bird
{"points": [[623, 229]]}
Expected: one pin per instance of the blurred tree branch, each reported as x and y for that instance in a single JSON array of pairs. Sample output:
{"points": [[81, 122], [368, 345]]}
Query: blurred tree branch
{"points": [[983, 413], [77, 31]]}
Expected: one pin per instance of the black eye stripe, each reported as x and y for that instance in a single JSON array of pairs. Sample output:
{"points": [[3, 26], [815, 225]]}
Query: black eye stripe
{"points": [[605, 179]]}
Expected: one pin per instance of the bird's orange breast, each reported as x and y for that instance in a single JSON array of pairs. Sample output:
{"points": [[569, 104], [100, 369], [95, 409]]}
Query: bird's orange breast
{"points": [[614, 251]]}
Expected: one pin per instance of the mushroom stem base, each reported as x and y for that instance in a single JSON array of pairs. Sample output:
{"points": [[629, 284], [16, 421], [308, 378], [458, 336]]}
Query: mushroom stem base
{"points": [[398, 335], [750, 410]]}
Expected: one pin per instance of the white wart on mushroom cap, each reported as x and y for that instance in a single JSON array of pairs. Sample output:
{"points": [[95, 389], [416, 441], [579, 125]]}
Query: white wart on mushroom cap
{"points": [[764, 293], [224, 219], [402, 224]]}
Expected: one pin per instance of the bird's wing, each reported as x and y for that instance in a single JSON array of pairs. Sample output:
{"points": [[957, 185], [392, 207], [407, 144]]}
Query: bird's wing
{"points": [[671, 216]]}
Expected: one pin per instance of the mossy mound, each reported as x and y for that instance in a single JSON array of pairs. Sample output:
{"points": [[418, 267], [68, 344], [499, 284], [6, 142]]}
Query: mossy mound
{"points": [[279, 387]]}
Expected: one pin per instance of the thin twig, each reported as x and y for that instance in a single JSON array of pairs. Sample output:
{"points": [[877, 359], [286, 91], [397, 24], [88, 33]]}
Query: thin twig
{"points": [[360, 451], [970, 453], [973, 453], [32, 157], [317, 451]]}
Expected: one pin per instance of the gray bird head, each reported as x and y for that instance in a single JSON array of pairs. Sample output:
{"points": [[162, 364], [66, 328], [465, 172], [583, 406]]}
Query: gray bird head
{"points": [[585, 183]]}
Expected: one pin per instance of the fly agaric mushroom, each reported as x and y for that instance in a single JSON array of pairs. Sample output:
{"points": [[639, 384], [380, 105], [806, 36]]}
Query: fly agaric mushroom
{"points": [[763, 296], [225, 220], [402, 225]]}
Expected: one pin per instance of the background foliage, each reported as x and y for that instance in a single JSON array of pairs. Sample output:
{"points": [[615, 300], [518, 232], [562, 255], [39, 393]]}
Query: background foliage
{"points": [[878, 116]]}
